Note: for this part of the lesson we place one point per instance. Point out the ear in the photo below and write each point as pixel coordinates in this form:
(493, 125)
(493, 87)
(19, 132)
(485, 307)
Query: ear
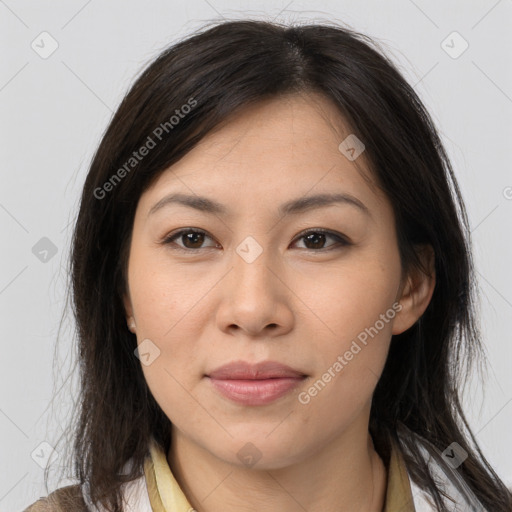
(130, 320)
(417, 291)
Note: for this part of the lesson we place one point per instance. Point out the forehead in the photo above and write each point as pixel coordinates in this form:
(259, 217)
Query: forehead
(268, 152)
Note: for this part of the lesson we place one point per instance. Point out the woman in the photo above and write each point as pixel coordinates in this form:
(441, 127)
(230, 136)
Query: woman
(274, 289)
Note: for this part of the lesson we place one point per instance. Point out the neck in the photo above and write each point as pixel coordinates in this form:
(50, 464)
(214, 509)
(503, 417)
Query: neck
(346, 474)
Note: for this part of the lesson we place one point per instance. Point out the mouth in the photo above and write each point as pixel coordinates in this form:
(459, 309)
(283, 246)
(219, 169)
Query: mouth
(254, 384)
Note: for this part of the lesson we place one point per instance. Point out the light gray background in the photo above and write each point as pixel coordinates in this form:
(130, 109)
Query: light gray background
(54, 110)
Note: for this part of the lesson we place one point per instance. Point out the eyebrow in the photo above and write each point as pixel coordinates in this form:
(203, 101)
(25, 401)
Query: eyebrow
(293, 206)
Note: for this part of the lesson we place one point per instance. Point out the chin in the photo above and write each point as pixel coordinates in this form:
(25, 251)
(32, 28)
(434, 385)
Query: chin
(259, 452)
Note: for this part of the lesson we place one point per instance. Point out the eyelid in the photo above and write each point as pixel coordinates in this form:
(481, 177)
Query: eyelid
(168, 239)
(342, 240)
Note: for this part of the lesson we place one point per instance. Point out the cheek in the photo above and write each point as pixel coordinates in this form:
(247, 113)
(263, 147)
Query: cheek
(356, 311)
(162, 295)
(352, 361)
(165, 305)
(165, 314)
(350, 299)
(172, 391)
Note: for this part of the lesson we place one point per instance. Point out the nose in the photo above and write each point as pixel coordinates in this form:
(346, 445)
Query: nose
(255, 298)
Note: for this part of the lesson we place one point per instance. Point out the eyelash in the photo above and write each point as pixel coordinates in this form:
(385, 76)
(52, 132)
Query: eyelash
(169, 239)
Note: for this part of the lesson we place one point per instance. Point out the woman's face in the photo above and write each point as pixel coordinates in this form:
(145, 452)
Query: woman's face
(261, 283)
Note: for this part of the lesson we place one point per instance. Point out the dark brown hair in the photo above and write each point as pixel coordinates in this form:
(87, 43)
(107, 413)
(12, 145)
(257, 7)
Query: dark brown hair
(225, 68)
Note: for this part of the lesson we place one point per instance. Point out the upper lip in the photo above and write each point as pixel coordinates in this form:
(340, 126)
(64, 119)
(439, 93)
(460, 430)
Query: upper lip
(245, 370)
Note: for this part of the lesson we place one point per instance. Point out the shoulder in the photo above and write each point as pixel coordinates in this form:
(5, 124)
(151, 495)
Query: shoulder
(64, 499)
(75, 498)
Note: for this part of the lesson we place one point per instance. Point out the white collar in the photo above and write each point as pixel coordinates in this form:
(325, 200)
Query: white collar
(451, 483)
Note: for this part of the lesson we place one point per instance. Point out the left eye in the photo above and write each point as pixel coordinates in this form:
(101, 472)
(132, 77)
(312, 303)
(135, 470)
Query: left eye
(318, 236)
(194, 238)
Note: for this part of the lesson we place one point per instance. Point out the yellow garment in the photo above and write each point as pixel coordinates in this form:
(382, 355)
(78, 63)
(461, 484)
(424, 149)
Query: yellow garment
(166, 495)
(398, 490)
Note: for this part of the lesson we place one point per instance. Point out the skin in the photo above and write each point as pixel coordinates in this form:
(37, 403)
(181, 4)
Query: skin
(302, 308)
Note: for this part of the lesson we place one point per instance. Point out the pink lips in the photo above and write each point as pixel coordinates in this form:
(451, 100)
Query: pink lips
(254, 384)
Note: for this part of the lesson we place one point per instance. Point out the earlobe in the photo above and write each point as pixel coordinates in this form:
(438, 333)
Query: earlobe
(417, 291)
(130, 320)
(131, 324)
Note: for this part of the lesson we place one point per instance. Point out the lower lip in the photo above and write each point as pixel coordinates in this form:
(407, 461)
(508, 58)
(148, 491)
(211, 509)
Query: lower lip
(255, 392)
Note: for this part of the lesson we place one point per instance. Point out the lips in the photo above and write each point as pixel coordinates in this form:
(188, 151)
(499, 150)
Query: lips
(248, 371)
(254, 384)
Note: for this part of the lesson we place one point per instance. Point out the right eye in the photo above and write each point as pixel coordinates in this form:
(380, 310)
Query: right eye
(192, 239)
